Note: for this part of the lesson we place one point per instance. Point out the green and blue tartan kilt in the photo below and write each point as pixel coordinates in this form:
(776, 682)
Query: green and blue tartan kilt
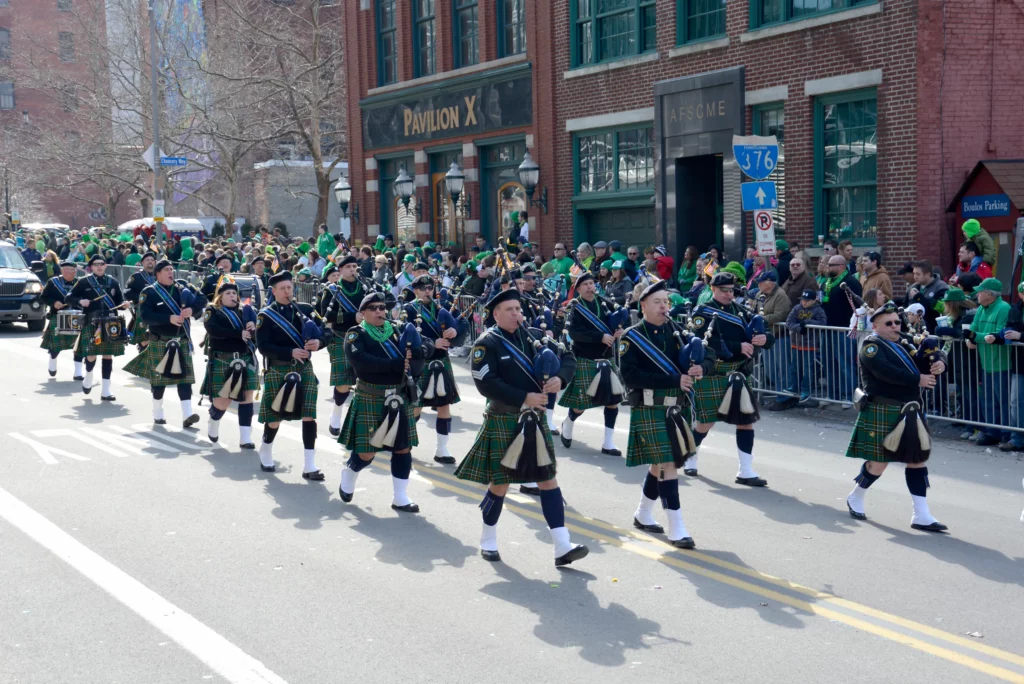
(709, 390)
(873, 425)
(145, 362)
(449, 382)
(273, 379)
(648, 437)
(483, 462)
(217, 370)
(52, 342)
(139, 329)
(575, 395)
(104, 348)
(342, 372)
(363, 418)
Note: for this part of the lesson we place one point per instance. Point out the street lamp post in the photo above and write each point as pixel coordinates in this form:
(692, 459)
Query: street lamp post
(154, 97)
(455, 182)
(343, 193)
(404, 189)
(529, 176)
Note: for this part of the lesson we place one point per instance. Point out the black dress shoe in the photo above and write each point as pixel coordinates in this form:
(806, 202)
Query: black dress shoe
(653, 529)
(109, 397)
(407, 508)
(334, 431)
(247, 445)
(78, 378)
(212, 439)
(611, 452)
(53, 374)
(692, 472)
(86, 389)
(567, 443)
(191, 420)
(315, 475)
(752, 481)
(684, 543)
(159, 421)
(445, 460)
(574, 554)
(268, 469)
(934, 527)
(492, 556)
(854, 514)
(532, 491)
(347, 498)
(555, 432)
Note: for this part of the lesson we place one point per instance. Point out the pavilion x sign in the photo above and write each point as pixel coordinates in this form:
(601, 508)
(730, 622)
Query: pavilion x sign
(447, 118)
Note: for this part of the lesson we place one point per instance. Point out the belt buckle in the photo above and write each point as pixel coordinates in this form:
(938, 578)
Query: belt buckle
(389, 392)
(670, 401)
(648, 397)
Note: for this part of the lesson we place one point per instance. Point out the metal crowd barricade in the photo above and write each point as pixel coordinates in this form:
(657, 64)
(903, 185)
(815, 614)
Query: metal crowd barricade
(979, 388)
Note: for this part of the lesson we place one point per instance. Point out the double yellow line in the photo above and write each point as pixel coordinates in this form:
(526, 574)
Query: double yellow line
(936, 642)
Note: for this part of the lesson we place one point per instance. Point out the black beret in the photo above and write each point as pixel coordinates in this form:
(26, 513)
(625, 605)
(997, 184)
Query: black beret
(348, 260)
(373, 298)
(420, 266)
(97, 257)
(162, 264)
(660, 286)
(529, 268)
(421, 282)
(256, 260)
(724, 279)
(887, 308)
(222, 257)
(148, 255)
(583, 277)
(328, 270)
(280, 277)
(226, 284)
(68, 264)
(511, 294)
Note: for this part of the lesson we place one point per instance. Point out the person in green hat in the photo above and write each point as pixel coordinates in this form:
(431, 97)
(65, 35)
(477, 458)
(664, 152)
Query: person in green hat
(783, 257)
(406, 275)
(973, 231)
(989, 321)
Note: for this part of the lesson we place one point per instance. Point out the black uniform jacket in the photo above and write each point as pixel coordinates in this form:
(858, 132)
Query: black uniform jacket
(137, 282)
(888, 371)
(430, 327)
(275, 343)
(378, 363)
(586, 337)
(56, 290)
(156, 313)
(91, 287)
(338, 316)
(729, 332)
(498, 371)
(210, 284)
(224, 337)
(640, 371)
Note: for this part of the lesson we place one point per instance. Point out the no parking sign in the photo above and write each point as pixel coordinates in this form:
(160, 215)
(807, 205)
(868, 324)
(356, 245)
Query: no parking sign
(764, 228)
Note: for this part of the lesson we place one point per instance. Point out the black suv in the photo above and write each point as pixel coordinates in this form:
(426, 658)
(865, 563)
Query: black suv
(19, 290)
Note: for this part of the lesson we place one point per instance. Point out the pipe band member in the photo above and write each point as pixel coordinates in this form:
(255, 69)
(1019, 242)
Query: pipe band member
(514, 444)
(660, 368)
(380, 417)
(167, 308)
(724, 394)
(99, 297)
(338, 304)
(232, 372)
(437, 383)
(287, 339)
(138, 282)
(54, 295)
(891, 425)
(596, 382)
(221, 266)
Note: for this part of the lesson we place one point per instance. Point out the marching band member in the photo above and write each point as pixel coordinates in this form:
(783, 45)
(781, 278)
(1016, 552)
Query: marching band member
(232, 373)
(381, 415)
(724, 393)
(532, 309)
(596, 382)
(338, 305)
(514, 444)
(138, 282)
(287, 339)
(54, 294)
(257, 268)
(166, 308)
(222, 265)
(660, 381)
(437, 384)
(890, 425)
(98, 294)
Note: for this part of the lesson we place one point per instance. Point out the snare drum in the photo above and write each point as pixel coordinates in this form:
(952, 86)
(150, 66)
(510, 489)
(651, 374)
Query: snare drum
(112, 328)
(70, 322)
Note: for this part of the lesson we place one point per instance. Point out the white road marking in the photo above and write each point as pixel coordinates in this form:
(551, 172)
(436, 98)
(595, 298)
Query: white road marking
(45, 452)
(152, 439)
(128, 444)
(211, 648)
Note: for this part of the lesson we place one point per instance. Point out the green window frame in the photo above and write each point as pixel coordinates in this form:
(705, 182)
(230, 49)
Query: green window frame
(770, 119)
(698, 20)
(614, 161)
(511, 27)
(387, 43)
(846, 167)
(769, 12)
(607, 30)
(424, 47)
(465, 32)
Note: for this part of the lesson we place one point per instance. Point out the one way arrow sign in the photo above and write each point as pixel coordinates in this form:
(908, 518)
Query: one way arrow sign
(760, 195)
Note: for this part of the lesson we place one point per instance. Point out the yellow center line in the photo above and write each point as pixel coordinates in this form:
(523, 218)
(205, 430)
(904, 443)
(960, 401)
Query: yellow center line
(438, 478)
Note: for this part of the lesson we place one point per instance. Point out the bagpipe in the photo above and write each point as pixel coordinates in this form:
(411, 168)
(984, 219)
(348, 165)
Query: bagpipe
(237, 375)
(172, 363)
(393, 431)
(288, 401)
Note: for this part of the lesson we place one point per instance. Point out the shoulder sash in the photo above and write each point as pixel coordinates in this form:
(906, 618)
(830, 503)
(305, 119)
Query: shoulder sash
(286, 326)
(658, 357)
(581, 307)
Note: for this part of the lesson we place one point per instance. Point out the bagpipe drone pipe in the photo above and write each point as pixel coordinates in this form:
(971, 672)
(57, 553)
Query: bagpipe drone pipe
(172, 363)
(289, 398)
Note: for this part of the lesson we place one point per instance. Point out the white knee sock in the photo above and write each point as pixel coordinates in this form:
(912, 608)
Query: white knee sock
(348, 480)
(489, 538)
(245, 434)
(550, 413)
(266, 454)
(746, 465)
(922, 516)
(186, 408)
(645, 511)
(52, 365)
(608, 434)
(567, 427)
(400, 486)
(442, 446)
(336, 416)
(212, 428)
(88, 379)
(691, 463)
(309, 458)
(105, 392)
(158, 409)
(856, 498)
(78, 369)
(676, 527)
(560, 536)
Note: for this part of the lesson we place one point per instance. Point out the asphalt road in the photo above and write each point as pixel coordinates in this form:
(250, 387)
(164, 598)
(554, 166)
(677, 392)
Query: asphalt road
(136, 554)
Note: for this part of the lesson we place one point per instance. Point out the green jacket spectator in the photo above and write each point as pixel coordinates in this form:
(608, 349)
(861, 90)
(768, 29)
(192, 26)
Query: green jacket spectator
(975, 233)
(990, 319)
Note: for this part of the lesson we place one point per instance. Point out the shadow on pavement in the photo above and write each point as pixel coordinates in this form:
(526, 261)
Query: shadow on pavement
(409, 540)
(95, 411)
(309, 504)
(571, 617)
(785, 508)
(56, 387)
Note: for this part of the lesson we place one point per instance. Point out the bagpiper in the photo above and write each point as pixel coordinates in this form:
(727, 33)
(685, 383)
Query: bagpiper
(596, 382)
(257, 267)
(54, 294)
(221, 266)
(338, 305)
(724, 393)
(287, 340)
(103, 333)
(891, 425)
(514, 444)
(437, 383)
(660, 367)
(232, 371)
(167, 309)
(138, 282)
(381, 415)
(533, 309)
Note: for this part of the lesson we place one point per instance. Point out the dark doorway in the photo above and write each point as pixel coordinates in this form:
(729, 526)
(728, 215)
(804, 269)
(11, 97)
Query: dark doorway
(699, 200)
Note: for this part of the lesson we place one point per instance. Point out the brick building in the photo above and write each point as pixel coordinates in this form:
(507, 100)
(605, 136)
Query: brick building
(882, 109)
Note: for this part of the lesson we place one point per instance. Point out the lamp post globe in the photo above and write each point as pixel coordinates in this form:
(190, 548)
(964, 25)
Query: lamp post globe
(403, 186)
(343, 193)
(455, 181)
(529, 174)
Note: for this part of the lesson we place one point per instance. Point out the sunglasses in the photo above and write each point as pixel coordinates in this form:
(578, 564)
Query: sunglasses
(376, 307)
(890, 324)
